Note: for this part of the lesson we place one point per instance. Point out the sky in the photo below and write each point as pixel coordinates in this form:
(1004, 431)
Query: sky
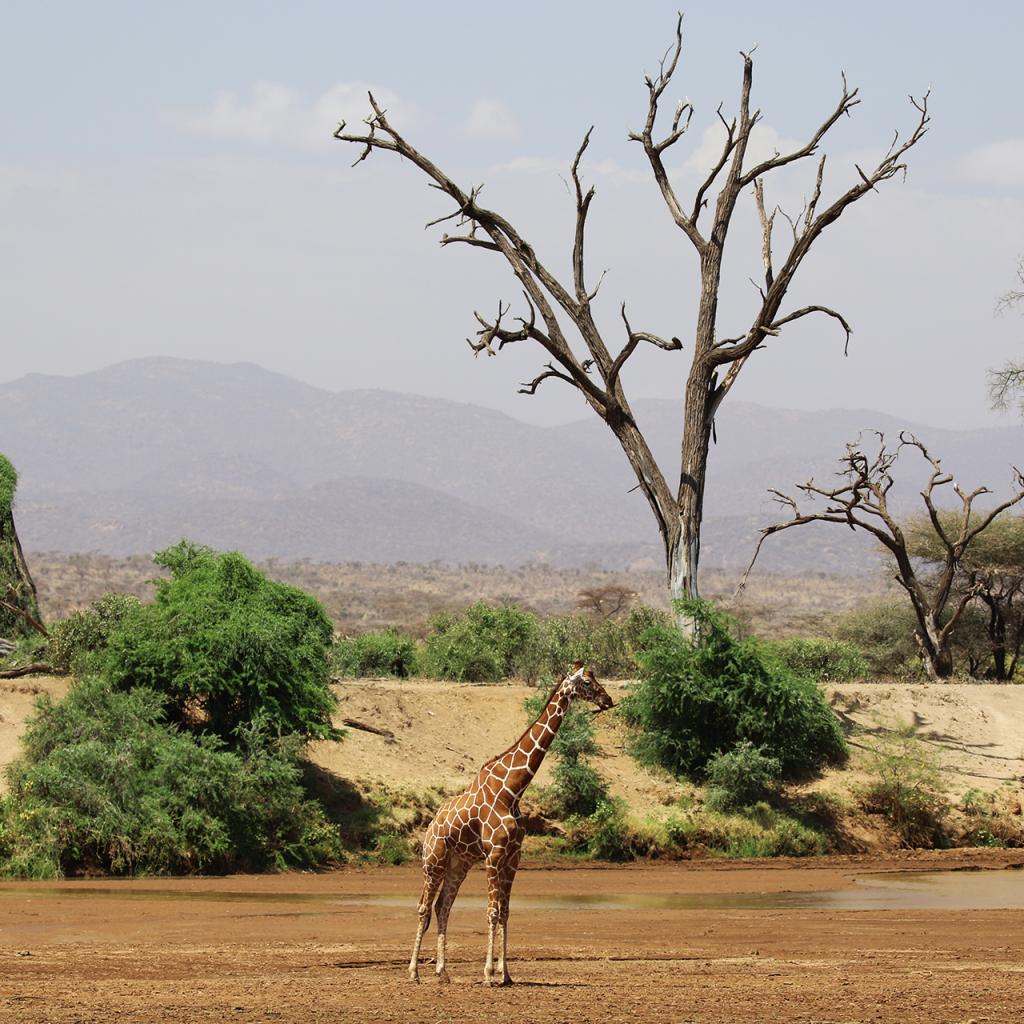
(169, 186)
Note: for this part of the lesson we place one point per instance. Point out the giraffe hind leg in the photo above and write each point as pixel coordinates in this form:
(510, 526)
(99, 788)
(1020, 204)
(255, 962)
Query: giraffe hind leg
(458, 867)
(435, 862)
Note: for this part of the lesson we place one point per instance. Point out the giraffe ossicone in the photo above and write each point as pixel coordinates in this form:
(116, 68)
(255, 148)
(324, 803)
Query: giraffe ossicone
(483, 824)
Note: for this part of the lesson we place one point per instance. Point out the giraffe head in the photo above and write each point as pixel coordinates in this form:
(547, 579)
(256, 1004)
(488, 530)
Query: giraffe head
(580, 683)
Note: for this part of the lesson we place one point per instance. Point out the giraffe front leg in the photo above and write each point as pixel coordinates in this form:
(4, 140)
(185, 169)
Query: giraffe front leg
(493, 912)
(506, 878)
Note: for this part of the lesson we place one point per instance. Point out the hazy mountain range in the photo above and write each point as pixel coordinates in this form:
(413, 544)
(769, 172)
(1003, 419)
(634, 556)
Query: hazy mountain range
(133, 457)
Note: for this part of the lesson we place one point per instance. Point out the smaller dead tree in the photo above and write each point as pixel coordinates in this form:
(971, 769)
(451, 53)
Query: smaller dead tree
(861, 502)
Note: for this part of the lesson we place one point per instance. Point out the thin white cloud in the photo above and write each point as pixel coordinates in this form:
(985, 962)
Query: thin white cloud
(275, 114)
(998, 163)
(764, 142)
(490, 119)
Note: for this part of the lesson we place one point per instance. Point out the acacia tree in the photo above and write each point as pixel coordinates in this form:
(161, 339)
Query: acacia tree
(992, 571)
(861, 502)
(559, 315)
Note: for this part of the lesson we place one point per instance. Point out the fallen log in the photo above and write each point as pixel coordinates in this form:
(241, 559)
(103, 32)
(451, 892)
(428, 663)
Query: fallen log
(27, 670)
(353, 723)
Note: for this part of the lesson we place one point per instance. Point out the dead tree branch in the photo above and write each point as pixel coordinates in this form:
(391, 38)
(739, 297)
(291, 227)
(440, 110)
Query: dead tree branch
(861, 502)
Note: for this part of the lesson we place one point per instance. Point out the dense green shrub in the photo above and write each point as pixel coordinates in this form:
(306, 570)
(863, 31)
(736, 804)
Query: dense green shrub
(485, 643)
(698, 697)
(106, 784)
(87, 631)
(828, 661)
(227, 644)
(385, 652)
(741, 777)
(883, 631)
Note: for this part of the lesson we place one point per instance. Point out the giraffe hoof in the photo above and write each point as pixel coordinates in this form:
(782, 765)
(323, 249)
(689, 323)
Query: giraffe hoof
(443, 978)
(414, 977)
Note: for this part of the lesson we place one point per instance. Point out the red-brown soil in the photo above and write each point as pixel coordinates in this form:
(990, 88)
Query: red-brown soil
(296, 948)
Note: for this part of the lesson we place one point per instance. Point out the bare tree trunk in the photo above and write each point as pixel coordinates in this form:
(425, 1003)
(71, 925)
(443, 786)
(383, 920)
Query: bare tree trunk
(560, 316)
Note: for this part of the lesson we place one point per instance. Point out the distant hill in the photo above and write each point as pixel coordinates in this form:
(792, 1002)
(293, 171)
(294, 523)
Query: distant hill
(133, 457)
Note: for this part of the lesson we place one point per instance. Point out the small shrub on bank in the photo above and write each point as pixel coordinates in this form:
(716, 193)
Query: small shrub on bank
(608, 835)
(226, 644)
(906, 787)
(828, 661)
(759, 831)
(699, 697)
(386, 652)
(741, 777)
(105, 784)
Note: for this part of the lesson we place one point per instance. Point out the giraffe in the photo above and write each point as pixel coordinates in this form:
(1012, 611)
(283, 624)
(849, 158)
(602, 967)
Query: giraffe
(482, 824)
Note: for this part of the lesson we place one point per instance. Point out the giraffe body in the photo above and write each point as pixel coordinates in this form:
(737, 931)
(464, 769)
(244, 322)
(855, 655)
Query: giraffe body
(483, 824)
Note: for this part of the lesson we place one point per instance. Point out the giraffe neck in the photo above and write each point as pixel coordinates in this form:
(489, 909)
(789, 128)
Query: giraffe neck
(534, 743)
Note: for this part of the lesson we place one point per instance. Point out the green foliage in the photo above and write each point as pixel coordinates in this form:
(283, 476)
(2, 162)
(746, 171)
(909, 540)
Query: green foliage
(884, 631)
(828, 661)
(105, 784)
(698, 697)
(743, 776)
(227, 645)
(8, 485)
(485, 643)
(389, 848)
(907, 788)
(87, 631)
(489, 643)
(386, 652)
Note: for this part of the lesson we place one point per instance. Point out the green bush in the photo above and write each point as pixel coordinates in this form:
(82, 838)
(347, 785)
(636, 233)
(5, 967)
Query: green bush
(485, 643)
(88, 630)
(697, 697)
(226, 644)
(741, 777)
(386, 652)
(106, 784)
(828, 661)
(883, 632)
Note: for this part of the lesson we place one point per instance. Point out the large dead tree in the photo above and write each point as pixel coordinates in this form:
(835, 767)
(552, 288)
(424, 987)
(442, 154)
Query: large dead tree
(861, 502)
(559, 315)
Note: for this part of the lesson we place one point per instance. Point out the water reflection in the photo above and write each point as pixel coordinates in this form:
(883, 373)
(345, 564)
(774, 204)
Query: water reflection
(932, 890)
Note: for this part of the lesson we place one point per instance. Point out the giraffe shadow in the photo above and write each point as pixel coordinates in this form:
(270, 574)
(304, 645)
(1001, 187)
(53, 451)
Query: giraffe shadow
(550, 984)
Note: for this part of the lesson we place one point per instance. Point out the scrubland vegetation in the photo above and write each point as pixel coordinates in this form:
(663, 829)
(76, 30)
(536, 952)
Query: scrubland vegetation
(181, 746)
